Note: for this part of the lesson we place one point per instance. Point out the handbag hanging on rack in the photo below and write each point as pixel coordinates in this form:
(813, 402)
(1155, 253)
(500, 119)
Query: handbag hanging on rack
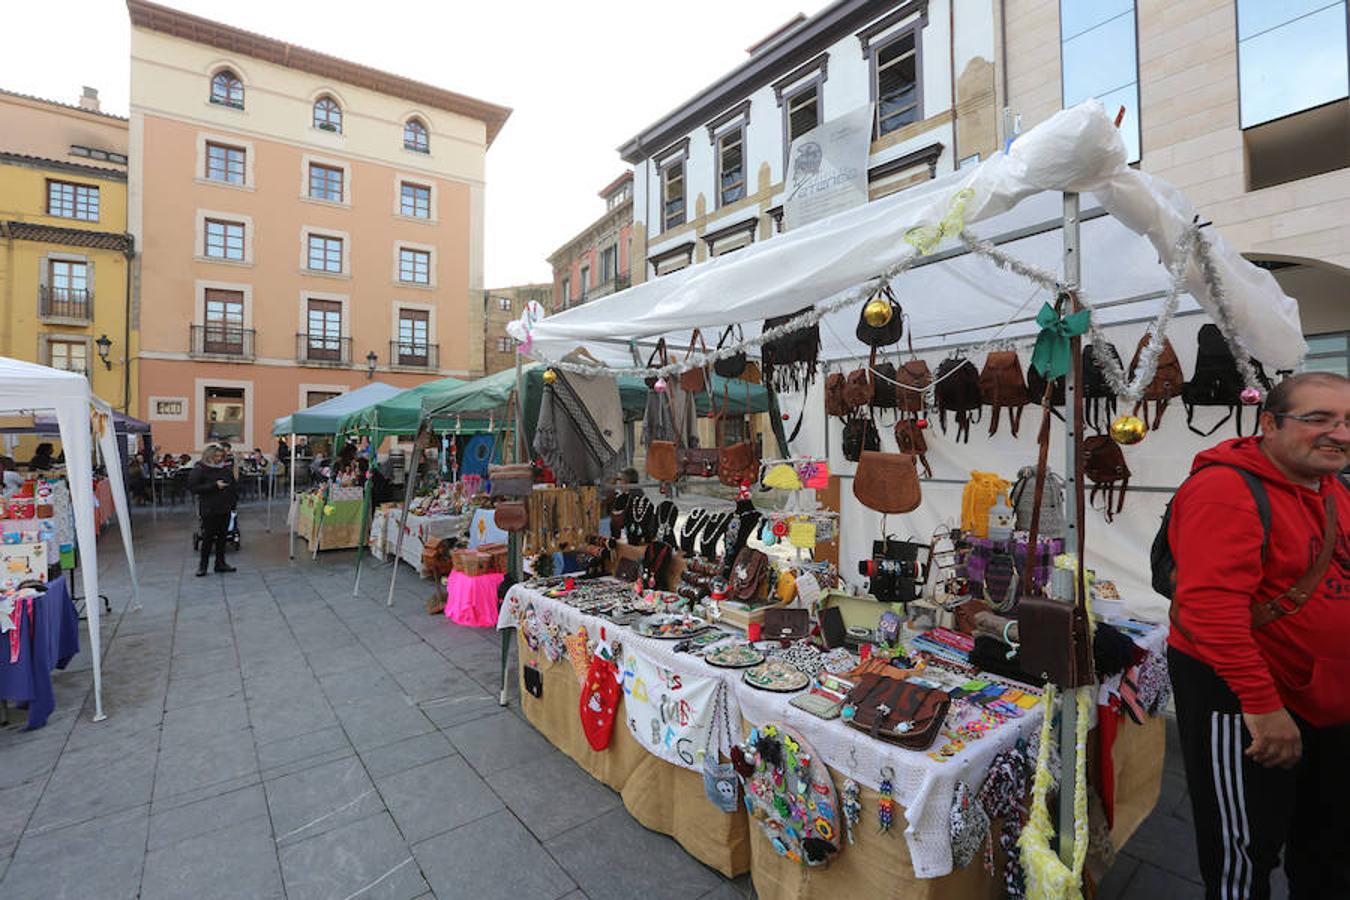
(887, 482)
(695, 380)
(860, 435)
(738, 463)
(732, 366)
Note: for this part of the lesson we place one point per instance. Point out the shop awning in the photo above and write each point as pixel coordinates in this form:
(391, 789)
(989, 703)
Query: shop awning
(325, 417)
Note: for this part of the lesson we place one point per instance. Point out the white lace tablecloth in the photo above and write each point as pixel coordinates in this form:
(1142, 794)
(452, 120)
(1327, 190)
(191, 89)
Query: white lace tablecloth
(383, 536)
(923, 786)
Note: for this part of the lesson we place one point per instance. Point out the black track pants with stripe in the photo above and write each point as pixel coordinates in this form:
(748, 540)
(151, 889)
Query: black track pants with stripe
(1246, 814)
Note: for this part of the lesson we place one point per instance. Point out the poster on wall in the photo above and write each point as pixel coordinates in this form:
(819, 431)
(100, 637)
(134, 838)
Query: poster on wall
(827, 169)
(669, 713)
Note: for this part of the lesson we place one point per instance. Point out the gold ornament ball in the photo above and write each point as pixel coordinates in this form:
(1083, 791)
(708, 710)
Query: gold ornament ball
(877, 313)
(1128, 430)
(550, 376)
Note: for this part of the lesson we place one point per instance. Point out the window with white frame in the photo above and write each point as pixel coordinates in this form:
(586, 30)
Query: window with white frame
(565, 294)
(224, 240)
(731, 166)
(585, 281)
(70, 355)
(672, 194)
(414, 266)
(325, 253)
(504, 304)
(414, 336)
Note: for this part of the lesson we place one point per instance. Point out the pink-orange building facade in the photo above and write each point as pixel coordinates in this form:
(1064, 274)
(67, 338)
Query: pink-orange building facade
(305, 224)
(595, 262)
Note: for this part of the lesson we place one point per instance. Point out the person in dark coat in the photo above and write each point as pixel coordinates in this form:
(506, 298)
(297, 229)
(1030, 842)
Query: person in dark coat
(212, 480)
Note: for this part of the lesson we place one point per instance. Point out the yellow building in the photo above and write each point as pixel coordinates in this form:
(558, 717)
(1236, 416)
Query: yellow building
(64, 246)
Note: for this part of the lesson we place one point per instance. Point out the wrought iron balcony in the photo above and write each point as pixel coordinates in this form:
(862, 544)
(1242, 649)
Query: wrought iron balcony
(65, 303)
(216, 339)
(323, 349)
(411, 354)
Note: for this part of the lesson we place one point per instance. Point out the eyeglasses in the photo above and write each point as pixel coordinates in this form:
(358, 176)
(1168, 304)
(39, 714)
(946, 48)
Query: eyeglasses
(1320, 421)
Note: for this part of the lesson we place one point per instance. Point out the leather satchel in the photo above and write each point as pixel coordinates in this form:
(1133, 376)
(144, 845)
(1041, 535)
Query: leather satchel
(512, 515)
(738, 464)
(1002, 385)
(732, 366)
(749, 576)
(661, 461)
(860, 435)
(786, 624)
(916, 378)
(898, 711)
(881, 335)
(835, 404)
(1104, 465)
(695, 380)
(909, 438)
(516, 480)
(697, 462)
(858, 389)
(1056, 645)
(887, 482)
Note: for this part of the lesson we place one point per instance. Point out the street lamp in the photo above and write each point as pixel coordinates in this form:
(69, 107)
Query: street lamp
(104, 344)
(371, 360)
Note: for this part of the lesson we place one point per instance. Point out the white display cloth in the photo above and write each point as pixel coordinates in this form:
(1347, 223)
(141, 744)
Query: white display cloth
(1124, 258)
(671, 714)
(26, 388)
(420, 529)
(923, 786)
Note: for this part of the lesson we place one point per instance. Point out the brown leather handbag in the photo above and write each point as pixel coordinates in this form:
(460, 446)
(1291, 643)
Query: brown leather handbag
(697, 462)
(695, 380)
(515, 480)
(916, 378)
(858, 389)
(738, 464)
(511, 515)
(909, 437)
(1003, 385)
(1055, 643)
(835, 405)
(786, 624)
(898, 711)
(749, 576)
(662, 464)
(887, 482)
(1104, 465)
(1167, 382)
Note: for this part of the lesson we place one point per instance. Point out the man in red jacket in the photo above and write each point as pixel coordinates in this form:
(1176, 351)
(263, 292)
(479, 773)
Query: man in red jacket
(1261, 674)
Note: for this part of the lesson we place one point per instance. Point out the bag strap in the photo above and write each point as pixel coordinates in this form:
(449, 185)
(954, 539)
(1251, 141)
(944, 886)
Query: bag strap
(696, 338)
(1292, 600)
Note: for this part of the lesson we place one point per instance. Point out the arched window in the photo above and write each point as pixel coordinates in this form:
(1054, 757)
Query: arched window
(328, 115)
(415, 136)
(227, 89)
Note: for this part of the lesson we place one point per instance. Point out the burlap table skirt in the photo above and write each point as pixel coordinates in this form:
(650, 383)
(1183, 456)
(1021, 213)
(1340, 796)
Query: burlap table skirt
(670, 800)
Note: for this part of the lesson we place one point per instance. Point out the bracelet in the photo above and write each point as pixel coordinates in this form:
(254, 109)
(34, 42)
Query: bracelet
(1007, 640)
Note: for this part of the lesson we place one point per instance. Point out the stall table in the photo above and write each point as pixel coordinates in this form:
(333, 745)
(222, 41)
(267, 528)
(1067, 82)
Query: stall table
(420, 530)
(341, 529)
(48, 643)
(913, 860)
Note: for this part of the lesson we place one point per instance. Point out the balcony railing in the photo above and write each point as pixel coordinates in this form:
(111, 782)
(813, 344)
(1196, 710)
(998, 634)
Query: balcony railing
(414, 355)
(218, 339)
(323, 349)
(65, 303)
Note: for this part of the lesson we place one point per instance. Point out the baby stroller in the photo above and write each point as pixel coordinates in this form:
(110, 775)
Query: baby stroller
(231, 533)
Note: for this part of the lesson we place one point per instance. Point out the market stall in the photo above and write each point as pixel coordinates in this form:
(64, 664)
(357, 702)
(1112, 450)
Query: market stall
(335, 510)
(996, 630)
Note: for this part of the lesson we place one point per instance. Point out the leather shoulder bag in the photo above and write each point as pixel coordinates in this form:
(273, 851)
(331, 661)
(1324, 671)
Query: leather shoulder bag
(887, 482)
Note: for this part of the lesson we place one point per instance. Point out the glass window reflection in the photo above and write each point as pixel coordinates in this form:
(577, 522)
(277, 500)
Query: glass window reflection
(1293, 66)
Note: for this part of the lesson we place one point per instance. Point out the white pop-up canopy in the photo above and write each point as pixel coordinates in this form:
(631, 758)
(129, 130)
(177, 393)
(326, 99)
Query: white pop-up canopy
(26, 388)
(948, 293)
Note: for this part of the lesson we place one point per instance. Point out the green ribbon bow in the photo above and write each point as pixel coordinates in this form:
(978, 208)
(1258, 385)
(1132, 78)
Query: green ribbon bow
(1051, 356)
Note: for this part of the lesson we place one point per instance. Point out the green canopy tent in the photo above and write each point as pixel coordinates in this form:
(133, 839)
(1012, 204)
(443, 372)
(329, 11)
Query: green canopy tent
(398, 414)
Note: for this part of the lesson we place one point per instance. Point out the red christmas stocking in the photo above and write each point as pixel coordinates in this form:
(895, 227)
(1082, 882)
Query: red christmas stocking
(599, 701)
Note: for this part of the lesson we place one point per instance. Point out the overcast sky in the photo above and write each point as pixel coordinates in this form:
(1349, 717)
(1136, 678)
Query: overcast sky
(581, 78)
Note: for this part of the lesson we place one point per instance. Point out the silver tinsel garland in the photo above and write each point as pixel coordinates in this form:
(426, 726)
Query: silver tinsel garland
(1190, 243)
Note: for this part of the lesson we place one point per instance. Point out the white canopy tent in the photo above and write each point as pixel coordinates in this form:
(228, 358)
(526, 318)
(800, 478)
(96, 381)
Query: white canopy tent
(1128, 229)
(26, 388)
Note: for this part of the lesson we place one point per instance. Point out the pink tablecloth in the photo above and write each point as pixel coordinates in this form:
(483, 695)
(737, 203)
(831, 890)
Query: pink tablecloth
(472, 599)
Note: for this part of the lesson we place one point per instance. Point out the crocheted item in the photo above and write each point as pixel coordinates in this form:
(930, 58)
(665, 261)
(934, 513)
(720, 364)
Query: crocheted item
(802, 656)
(1002, 796)
(970, 825)
(1155, 683)
(1047, 877)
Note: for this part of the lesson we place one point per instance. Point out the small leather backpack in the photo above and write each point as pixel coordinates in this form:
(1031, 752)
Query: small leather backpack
(1167, 382)
(1104, 465)
(958, 391)
(1002, 386)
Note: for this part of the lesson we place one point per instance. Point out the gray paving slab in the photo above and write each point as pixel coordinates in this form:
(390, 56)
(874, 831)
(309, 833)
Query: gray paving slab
(325, 866)
(170, 824)
(195, 771)
(494, 858)
(498, 742)
(319, 799)
(99, 858)
(235, 861)
(436, 797)
(599, 856)
(390, 759)
(573, 796)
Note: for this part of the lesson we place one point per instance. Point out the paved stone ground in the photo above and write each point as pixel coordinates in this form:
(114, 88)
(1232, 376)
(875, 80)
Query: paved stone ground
(271, 736)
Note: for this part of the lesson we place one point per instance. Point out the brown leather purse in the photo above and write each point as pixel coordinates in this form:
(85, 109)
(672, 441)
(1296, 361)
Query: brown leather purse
(695, 380)
(909, 438)
(515, 480)
(897, 711)
(749, 576)
(858, 390)
(511, 515)
(661, 461)
(835, 405)
(786, 624)
(1003, 385)
(887, 482)
(1104, 465)
(697, 462)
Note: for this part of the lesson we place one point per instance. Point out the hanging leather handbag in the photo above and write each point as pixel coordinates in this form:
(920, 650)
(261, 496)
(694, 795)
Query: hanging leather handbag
(697, 462)
(1104, 465)
(512, 515)
(898, 712)
(1055, 643)
(1168, 381)
(835, 404)
(1002, 386)
(786, 624)
(885, 392)
(789, 361)
(860, 435)
(890, 331)
(909, 438)
(658, 359)
(732, 366)
(957, 387)
(858, 390)
(887, 482)
(749, 576)
(515, 480)
(738, 464)
(662, 464)
(695, 380)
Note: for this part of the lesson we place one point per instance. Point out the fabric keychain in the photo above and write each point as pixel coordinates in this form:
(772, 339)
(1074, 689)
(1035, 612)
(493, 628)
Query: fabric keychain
(600, 697)
(886, 805)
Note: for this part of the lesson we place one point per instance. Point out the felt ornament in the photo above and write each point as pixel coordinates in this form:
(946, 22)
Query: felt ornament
(600, 699)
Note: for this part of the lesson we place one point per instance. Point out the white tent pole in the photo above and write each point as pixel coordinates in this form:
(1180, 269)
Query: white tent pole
(290, 510)
(72, 416)
(1068, 719)
(108, 446)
